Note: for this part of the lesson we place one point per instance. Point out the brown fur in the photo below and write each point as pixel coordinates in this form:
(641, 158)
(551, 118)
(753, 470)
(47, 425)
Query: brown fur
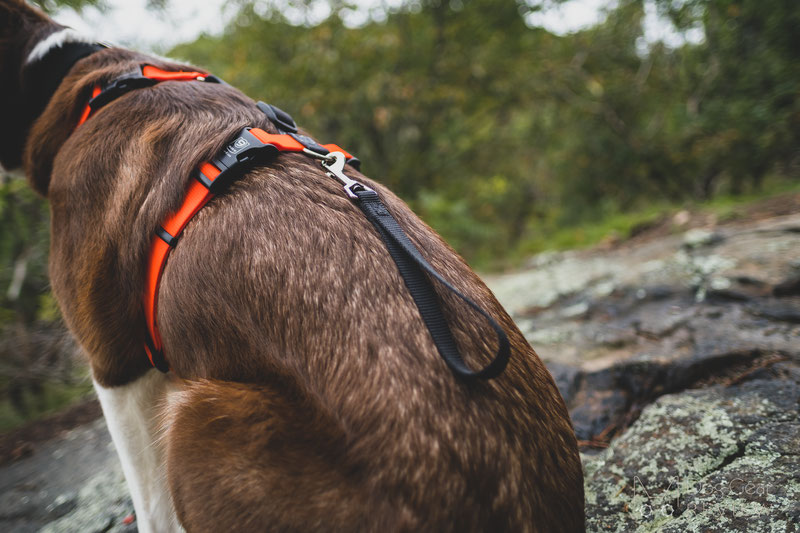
(314, 398)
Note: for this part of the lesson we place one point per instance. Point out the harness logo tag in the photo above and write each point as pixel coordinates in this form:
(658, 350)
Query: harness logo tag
(237, 146)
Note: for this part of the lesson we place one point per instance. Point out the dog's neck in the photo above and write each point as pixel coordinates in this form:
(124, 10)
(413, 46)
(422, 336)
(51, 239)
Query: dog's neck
(35, 55)
(47, 64)
(54, 41)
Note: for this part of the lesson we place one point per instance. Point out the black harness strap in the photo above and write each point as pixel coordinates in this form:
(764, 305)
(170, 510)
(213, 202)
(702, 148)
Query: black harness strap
(411, 264)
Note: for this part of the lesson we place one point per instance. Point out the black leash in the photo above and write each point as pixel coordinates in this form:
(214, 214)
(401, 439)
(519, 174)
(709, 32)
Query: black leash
(410, 262)
(413, 266)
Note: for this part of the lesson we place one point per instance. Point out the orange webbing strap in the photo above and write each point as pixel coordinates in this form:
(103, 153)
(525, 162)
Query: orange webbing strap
(335, 148)
(154, 73)
(148, 72)
(287, 143)
(225, 166)
(197, 196)
(283, 142)
(88, 109)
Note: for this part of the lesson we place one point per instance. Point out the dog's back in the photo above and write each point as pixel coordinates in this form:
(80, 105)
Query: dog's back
(312, 396)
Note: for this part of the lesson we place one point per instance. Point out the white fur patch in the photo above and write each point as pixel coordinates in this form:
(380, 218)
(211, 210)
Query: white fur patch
(132, 414)
(56, 40)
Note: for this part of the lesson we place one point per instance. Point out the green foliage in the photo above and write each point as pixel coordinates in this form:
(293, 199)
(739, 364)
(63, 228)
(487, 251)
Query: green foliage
(728, 207)
(37, 369)
(620, 225)
(48, 397)
(432, 100)
(496, 132)
(741, 89)
(24, 244)
(507, 139)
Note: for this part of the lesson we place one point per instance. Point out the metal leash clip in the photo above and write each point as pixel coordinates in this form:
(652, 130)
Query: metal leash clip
(333, 163)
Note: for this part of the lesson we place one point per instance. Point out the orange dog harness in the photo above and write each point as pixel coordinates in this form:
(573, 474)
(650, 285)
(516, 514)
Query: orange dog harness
(252, 145)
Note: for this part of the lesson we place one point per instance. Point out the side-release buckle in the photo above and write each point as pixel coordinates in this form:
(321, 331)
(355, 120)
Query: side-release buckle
(235, 157)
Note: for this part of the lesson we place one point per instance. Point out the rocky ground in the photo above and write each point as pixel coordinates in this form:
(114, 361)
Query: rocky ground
(679, 359)
(677, 352)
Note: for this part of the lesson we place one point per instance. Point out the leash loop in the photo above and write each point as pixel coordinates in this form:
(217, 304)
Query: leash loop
(317, 155)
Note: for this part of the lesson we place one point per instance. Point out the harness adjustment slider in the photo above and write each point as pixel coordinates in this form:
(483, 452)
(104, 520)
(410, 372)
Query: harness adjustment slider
(310, 144)
(120, 86)
(165, 236)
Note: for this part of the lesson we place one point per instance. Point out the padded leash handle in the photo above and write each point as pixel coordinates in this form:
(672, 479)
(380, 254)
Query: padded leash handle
(411, 265)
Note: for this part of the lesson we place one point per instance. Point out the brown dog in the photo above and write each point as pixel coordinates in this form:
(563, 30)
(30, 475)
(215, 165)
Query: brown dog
(305, 392)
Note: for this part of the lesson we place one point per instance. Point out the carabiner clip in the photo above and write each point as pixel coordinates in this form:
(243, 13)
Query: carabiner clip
(334, 166)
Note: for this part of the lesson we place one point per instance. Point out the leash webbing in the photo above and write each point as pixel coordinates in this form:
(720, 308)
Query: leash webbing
(411, 264)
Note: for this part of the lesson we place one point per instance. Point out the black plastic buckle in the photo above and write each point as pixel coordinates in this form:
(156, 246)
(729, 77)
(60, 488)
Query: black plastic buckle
(120, 86)
(237, 156)
(310, 144)
(285, 124)
(282, 120)
(214, 79)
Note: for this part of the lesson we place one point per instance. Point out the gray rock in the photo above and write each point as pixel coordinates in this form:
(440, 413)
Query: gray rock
(648, 335)
(101, 506)
(696, 238)
(783, 310)
(62, 505)
(788, 287)
(719, 459)
(71, 484)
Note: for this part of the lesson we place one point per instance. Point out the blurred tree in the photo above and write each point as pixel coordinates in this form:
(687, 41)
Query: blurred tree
(491, 129)
(743, 94)
(437, 100)
(23, 251)
(494, 131)
(619, 110)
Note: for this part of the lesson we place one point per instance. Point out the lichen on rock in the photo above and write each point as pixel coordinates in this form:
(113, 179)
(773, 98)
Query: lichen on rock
(716, 459)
